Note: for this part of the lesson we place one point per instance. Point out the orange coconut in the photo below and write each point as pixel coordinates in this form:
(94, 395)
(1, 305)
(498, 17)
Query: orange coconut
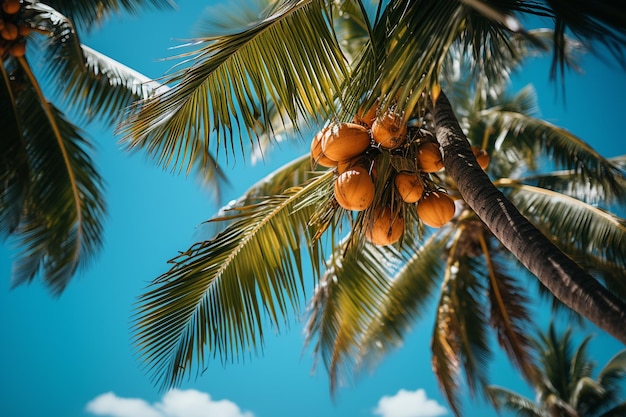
(389, 130)
(11, 6)
(9, 31)
(386, 227)
(409, 185)
(365, 117)
(345, 140)
(317, 155)
(435, 209)
(354, 189)
(429, 157)
(482, 156)
(18, 49)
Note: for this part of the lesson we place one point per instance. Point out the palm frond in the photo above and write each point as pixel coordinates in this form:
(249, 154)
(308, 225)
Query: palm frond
(61, 225)
(289, 58)
(346, 299)
(509, 400)
(218, 293)
(14, 163)
(509, 314)
(89, 15)
(571, 223)
(407, 297)
(92, 84)
(562, 147)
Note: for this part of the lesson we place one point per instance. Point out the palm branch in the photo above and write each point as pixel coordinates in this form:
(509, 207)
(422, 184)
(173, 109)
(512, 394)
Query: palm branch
(217, 289)
(233, 79)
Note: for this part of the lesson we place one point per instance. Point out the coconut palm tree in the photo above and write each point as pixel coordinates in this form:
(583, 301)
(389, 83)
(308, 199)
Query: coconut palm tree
(221, 293)
(51, 194)
(567, 387)
(291, 61)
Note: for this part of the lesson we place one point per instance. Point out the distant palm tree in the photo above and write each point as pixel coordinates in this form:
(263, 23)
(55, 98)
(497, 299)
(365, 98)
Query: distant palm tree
(219, 292)
(567, 387)
(51, 194)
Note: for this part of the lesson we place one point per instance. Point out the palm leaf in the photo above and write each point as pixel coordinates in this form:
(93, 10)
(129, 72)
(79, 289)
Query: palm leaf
(565, 149)
(61, 226)
(14, 163)
(406, 299)
(345, 300)
(509, 314)
(218, 292)
(90, 83)
(503, 398)
(289, 58)
(571, 223)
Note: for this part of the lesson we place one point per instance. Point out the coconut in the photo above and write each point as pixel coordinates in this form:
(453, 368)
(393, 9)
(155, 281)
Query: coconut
(345, 140)
(429, 157)
(409, 185)
(354, 189)
(482, 157)
(436, 209)
(18, 49)
(386, 227)
(389, 130)
(9, 31)
(11, 6)
(317, 155)
(366, 117)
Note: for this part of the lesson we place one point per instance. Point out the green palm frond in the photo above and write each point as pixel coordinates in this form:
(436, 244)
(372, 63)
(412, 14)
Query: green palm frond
(505, 399)
(289, 58)
(88, 14)
(14, 163)
(345, 300)
(218, 292)
(61, 224)
(593, 193)
(565, 149)
(460, 342)
(509, 314)
(92, 84)
(571, 223)
(409, 292)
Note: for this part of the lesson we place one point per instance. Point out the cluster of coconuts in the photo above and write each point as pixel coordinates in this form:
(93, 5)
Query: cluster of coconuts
(348, 147)
(12, 32)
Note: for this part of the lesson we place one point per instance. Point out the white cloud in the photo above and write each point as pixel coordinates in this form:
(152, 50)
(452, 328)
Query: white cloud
(175, 403)
(409, 404)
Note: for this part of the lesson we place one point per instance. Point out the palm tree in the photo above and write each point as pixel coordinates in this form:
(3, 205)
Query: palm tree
(51, 194)
(567, 387)
(221, 293)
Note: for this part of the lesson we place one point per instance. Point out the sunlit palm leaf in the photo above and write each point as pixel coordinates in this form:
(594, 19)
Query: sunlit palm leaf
(566, 150)
(509, 400)
(572, 223)
(346, 298)
(90, 83)
(61, 226)
(290, 58)
(88, 14)
(509, 314)
(408, 296)
(218, 294)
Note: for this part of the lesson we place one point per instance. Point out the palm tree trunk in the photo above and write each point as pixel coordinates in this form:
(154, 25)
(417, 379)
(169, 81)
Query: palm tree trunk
(556, 271)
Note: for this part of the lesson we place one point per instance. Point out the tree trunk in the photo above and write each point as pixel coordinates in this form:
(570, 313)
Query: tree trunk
(557, 272)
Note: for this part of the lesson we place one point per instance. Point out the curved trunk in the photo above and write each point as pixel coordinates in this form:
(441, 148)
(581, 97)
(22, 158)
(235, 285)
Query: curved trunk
(557, 272)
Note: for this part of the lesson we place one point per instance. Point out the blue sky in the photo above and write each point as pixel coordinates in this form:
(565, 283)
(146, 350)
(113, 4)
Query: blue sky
(73, 356)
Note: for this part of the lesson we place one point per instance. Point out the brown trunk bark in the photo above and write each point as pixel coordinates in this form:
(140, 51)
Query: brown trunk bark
(557, 272)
